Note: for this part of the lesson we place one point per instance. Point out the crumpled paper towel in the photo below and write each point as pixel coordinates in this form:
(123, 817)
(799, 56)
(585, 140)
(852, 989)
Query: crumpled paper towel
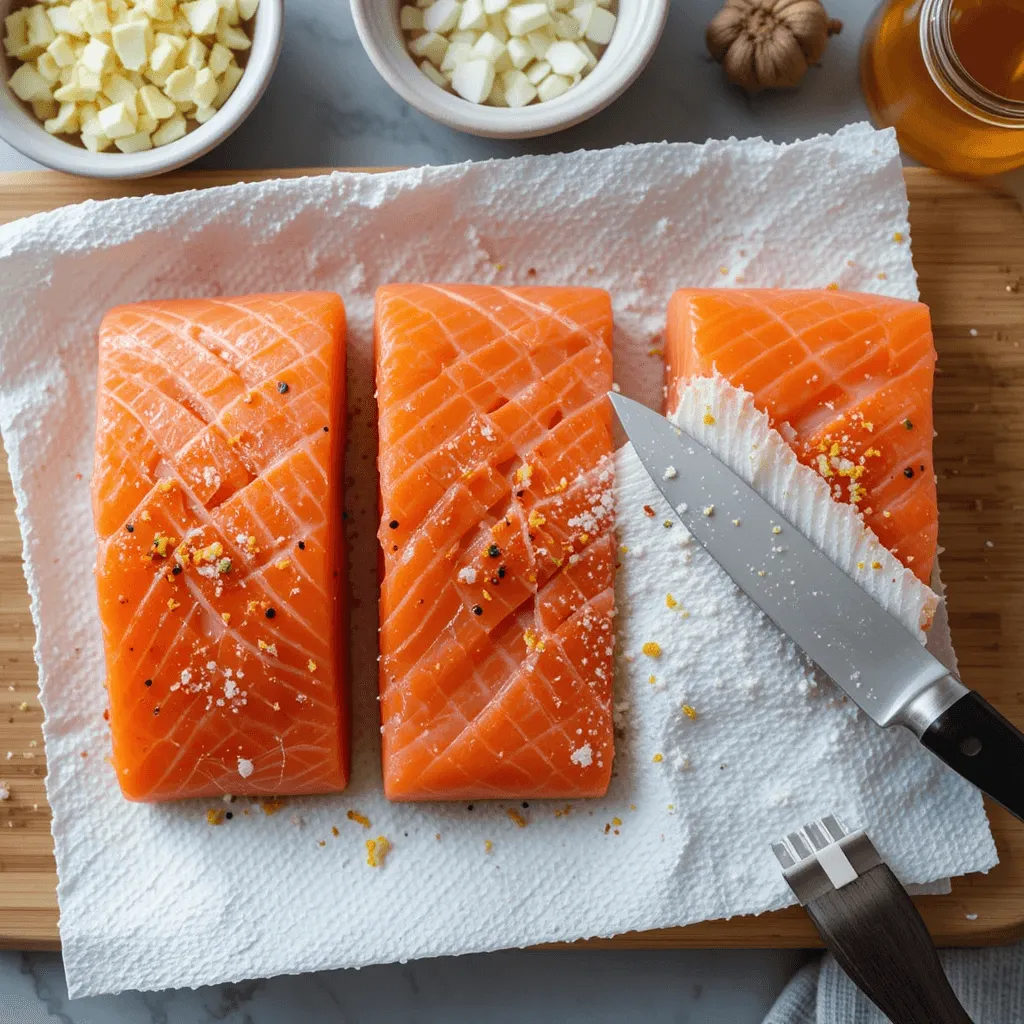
(153, 896)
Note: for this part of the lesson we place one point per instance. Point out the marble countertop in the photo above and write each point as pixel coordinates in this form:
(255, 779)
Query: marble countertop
(327, 107)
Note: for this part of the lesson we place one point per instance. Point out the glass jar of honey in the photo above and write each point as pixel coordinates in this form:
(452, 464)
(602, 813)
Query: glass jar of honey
(948, 75)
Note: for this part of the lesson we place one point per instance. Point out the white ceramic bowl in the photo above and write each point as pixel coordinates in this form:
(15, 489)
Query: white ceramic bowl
(22, 131)
(637, 31)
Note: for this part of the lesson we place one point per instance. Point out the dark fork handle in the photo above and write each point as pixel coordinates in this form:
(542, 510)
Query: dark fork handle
(875, 932)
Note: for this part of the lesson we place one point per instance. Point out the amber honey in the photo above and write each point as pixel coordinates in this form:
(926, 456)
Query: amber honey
(948, 75)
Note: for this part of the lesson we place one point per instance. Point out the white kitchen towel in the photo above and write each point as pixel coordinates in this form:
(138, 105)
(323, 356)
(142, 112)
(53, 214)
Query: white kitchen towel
(152, 896)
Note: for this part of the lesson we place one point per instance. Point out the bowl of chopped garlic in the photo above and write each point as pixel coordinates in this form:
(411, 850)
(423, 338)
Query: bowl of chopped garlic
(131, 88)
(510, 69)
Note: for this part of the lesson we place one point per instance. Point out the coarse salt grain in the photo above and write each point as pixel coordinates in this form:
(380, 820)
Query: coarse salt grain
(245, 767)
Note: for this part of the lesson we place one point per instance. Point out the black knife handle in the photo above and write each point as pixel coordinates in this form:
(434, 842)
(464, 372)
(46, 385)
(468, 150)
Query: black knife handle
(877, 936)
(977, 742)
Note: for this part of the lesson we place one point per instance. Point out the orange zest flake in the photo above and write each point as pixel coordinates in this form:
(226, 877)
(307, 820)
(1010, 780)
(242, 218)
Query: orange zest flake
(670, 601)
(311, 665)
(876, 565)
(524, 474)
(485, 593)
(250, 607)
(270, 807)
(282, 563)
(832, 286)
(616, 821)
(271, 649)
(652, 649)
(161, 543)
(214, 816)
(533, 641)
(250, 544)
(165, 485)
(709, 419)
(145, 516)
(376, 850)
(172, 604)
(519, 820)
(655, 350)
(208, 554)
(860, 565)
(897, 237)
(872, 453)
(359, 819)
(536, 519)
(857, 492)
(584, 538)
(559, 487)
(226, 618)
(690, 712)
(658, 758)
(234, 439)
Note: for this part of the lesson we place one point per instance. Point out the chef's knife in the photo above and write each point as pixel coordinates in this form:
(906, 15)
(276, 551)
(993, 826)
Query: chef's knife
(851, 637)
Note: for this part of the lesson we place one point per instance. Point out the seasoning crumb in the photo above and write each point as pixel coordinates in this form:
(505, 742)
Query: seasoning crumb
(690, 712)
(652, 649)
(616, 821)
(334, 830)
(897, 237)
(270, 807)
(226, 617)
(215, 816)
(776, 530)
(735, 522)
(282, 387)
(658, 758)
(670, 601)
(709, 419)
(670, 473)
(359, 819)
(376, 850)
(311, 665)
(519, 820)
(23, 706)
(709, 510)
(172, 604)
(488, 846)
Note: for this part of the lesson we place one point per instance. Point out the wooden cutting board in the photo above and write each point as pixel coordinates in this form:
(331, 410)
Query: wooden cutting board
(969, 251)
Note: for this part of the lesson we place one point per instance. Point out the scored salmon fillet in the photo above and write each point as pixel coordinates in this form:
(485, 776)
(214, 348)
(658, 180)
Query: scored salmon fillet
(845, 377)
(217, 500)
(496, 535)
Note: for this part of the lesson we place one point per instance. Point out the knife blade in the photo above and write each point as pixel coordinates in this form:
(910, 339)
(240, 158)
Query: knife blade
(881, 665)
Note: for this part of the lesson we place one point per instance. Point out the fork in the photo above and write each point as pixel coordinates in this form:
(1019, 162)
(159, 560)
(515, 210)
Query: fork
(868, 922)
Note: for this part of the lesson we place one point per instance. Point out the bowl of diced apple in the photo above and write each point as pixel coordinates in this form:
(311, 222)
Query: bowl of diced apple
(510, 68)
(131, 88)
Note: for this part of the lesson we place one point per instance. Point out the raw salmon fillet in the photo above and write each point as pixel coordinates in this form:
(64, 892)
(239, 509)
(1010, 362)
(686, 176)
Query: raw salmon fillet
(496, 535)
(846, 378)
(217, 495)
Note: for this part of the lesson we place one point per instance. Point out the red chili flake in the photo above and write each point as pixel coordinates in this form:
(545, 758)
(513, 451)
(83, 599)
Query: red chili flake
(649, 512)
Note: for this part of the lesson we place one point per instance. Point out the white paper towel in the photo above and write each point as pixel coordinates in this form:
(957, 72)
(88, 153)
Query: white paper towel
(152, 896)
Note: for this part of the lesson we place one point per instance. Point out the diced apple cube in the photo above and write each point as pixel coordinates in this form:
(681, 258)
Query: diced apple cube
(180, 84)
(219, 59)
(158, 10)
(97, 19)
(233, 38)
(48, 68)
(473, 79)
(497, 27)
(202, 16)
(203, 114)
(518, 89)
(228, 81)
(118, 121)
(93, 138)
(582, 13)
(540, 41)
(229, 11)
(457, 53)
(247, 8)
(195, 53)
(62, 52)
(495, 6)
(552, 87)
(538, 71)
(163, 58)
(472, 16)
(489, 47)
(97, 57)
(204, 92)
(155, 103)
(171, 130)
(130, 42)
(40, 31)
(65, 122)
(64, 21)
(433, 74)
(526, 18)
(520, 52)
(137, 143)
(431, 45)
(567, 27)
(566, 58)
(410, 18)
(16, 31)
(28, 85)
(441, 16)
(588, 54)
(600, 27)
(119, 89)
(172, 39)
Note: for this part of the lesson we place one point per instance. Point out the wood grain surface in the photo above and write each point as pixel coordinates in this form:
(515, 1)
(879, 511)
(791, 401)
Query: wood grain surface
(969, 252)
